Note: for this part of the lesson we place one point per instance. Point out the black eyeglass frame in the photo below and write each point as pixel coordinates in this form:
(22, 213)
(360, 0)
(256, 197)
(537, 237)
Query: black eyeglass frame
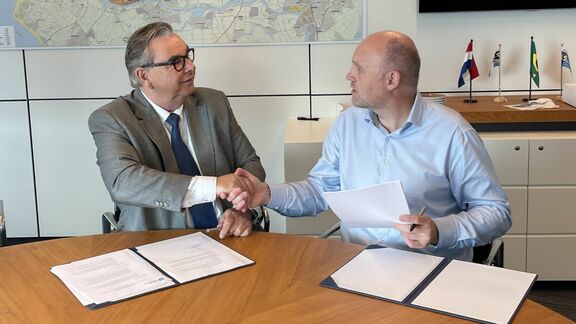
(174, 61)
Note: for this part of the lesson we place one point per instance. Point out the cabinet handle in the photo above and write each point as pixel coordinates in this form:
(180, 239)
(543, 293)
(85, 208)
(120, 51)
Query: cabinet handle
(517, 148)
(541, 148)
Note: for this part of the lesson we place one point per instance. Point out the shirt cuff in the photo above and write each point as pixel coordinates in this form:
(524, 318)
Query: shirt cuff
(201, 189)
(447, 231)
(278, 196)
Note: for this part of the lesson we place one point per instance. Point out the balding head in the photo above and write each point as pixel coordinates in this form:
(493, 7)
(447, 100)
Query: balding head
(398, 52)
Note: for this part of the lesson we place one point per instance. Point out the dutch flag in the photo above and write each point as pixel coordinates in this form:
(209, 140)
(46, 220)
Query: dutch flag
(469, 71)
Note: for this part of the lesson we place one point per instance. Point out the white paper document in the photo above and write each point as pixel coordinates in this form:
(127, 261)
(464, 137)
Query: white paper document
(463, 289)
(485, 293)
(542, 103)
(192, 256)
(371, 273)
(373, 207)
(110, 277)
(116, 276)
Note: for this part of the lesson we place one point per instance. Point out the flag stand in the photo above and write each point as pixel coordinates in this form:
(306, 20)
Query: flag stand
(500, 98)
(470, 100)
(529, 92)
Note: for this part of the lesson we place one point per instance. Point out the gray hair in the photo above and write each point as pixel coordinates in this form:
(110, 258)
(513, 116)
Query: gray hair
(137, 52)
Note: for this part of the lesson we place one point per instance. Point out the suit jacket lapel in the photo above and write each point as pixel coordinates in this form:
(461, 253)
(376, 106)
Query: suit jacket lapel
(201, 133)
(153, 127)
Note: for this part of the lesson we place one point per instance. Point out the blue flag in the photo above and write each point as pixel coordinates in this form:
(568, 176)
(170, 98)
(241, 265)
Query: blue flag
(495, 62)
(565, 60)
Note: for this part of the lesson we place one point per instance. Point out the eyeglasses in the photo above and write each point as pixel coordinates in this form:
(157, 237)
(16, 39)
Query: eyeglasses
(178, 62)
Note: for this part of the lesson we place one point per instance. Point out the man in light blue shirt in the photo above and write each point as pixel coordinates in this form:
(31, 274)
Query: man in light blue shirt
(392, 134)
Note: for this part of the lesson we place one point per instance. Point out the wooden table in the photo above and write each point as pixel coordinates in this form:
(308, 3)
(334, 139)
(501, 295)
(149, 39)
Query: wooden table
(487, 115)
(283, 286)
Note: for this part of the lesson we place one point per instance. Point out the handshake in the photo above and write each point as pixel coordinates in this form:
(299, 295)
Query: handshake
(243, 190)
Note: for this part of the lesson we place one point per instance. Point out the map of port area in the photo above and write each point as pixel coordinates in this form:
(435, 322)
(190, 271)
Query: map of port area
(90, 23)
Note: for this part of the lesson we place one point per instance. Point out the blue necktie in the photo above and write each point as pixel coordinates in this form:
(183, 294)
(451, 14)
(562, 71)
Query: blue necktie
(202, 214)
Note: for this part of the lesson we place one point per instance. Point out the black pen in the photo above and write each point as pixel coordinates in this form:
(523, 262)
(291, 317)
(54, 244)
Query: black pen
(419, 214)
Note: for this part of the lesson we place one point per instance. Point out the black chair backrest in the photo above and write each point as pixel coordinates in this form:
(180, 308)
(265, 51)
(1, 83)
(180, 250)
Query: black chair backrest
(490, 254)
(106, 221)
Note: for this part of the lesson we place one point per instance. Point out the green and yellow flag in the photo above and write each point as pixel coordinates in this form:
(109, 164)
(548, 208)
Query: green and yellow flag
(534, 64)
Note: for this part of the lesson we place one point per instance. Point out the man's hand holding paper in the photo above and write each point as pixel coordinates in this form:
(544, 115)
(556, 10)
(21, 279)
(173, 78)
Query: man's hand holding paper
(423, 234)
(383, 205)
(372, 207)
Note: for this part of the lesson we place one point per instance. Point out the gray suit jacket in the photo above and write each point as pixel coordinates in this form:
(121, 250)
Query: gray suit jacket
(137, 163)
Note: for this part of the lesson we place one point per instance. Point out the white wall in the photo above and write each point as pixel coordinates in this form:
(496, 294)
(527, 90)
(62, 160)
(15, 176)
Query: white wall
(267, 85)
(443, 37)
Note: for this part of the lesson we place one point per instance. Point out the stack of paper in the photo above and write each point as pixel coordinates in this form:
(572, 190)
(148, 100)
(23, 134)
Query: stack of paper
(542, 103)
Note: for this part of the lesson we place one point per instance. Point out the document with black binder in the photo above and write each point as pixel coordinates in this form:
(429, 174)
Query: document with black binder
(117, 276)
(462, 289)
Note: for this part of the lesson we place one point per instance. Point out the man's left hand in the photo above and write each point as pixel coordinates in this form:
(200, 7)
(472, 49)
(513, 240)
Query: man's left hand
(235, 223)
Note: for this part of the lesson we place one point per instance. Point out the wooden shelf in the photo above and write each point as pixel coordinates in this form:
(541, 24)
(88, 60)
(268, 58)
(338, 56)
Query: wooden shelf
(487, 115)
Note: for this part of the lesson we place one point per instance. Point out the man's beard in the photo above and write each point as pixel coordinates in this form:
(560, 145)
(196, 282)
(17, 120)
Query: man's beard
(359, 102)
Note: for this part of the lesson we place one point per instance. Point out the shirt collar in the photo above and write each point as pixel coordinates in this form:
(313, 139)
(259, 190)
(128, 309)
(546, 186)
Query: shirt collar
(414, 118)
(162, 113)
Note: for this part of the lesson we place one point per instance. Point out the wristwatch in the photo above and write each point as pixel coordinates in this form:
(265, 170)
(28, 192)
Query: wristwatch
(256, 217)
(260, 220)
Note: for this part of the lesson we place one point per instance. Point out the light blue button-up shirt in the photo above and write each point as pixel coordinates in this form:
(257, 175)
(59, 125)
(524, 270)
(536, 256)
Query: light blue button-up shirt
(440, 160)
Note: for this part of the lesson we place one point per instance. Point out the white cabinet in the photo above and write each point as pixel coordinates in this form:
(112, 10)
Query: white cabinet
(515, 251)
(552, 257)
(552, 161)
(510, 158)
(537, 170)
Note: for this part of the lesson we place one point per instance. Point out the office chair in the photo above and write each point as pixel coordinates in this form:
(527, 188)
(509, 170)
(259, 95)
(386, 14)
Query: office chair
(260, 220)
(491, 254)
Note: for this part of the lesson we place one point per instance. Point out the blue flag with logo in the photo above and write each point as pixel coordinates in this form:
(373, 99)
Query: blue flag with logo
(495, 62)
(565, 60)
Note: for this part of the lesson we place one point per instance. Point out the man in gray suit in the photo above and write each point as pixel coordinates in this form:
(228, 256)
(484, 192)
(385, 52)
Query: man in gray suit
(135, 142)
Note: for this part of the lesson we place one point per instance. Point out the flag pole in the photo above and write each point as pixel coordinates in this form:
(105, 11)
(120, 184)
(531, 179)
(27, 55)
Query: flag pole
(530, 73)
(500, 98)
(470, 100)
(499, 67)
(561, 58)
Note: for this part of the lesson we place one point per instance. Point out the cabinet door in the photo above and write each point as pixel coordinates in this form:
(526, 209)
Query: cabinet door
(299, 158)
(552, 257)
(515, 252)
(510, 159)
(551, 210)
(552, 162)
(518, 198)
